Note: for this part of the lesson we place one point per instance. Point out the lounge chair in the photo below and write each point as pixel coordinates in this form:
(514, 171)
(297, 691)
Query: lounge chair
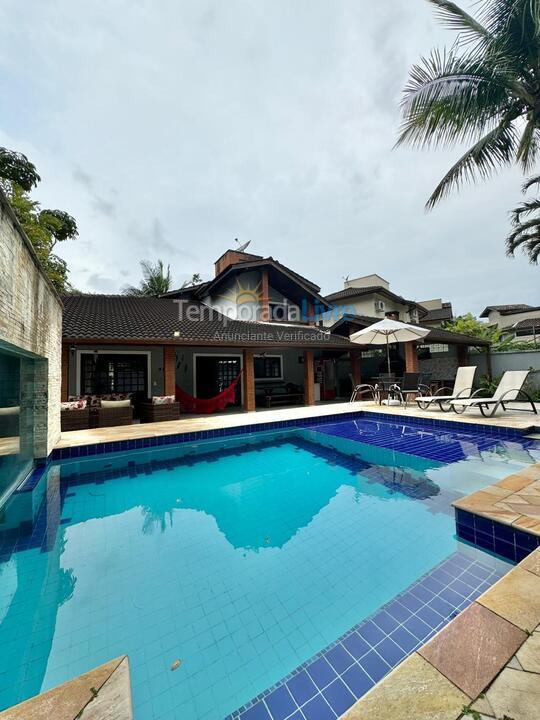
(364, 389)
(510, 389)
(463, 388)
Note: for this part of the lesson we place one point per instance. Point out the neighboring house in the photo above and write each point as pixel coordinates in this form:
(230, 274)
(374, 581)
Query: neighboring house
(371, 296)
(520, 322)
(256, 315)
(437, 312)
(368, 299)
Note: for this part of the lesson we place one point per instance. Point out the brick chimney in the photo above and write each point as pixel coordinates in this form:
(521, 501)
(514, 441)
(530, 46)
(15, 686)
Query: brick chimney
(232, 257)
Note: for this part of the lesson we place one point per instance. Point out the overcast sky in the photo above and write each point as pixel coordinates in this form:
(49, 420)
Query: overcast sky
(170, 128)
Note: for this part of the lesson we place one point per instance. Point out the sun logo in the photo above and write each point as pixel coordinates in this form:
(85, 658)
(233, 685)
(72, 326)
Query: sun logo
(246, 297)
(241, 294)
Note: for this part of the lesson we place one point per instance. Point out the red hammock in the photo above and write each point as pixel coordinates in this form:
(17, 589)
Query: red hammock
(208, 405)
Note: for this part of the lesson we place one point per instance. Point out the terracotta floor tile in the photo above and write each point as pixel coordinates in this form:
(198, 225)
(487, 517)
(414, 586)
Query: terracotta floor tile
(473, 648)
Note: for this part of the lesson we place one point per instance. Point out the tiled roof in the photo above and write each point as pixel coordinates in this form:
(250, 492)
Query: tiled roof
(118, 318)
(530, 322)
(507, 309)
(371, 289)
(439, 314)
(435, 335)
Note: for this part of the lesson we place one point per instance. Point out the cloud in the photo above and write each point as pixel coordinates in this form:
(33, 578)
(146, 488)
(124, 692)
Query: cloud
(271, 121)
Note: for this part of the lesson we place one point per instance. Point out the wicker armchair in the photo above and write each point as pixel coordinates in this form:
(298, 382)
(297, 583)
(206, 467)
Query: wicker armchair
(149, 412)
(75, 419)
(111, 416)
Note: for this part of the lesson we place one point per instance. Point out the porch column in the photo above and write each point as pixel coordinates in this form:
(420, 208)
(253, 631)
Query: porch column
(248, 381)
(411, 357)
(169, 370)
(265, 299)
(309, 378)
(354, 356)
(64, 393)
(462, 355)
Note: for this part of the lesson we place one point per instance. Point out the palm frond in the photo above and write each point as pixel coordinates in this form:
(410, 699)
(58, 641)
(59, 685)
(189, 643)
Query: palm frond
(528, 146)
(525, 208)
(529, 242)
(455, 18)
(495, 149)
(452, 99)
(534, 180)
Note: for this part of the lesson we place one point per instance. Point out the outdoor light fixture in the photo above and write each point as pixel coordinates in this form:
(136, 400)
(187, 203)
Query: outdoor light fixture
(176, 333)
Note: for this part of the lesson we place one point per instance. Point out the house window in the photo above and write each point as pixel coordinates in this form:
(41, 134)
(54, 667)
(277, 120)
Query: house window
(102, 373)
(268, 367)
(435, 348)
(278, 311)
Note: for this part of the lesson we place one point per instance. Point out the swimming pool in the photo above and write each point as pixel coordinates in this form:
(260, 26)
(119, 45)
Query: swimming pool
(284, 569)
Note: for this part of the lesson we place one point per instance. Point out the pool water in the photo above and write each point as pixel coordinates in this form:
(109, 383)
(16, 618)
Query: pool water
(242, 558)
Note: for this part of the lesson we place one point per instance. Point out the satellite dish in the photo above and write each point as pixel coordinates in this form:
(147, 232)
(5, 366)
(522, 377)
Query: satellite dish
(241, 248)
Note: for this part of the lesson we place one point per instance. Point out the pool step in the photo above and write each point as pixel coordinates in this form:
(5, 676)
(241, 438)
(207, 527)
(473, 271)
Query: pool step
(533, 436)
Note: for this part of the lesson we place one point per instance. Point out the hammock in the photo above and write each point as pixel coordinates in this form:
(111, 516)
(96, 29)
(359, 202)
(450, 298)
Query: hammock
(208, 405)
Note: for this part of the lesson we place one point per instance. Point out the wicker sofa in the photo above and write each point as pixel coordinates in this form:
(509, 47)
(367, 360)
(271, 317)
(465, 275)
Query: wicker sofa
(75, 419)
(111, 416)
(150, 412)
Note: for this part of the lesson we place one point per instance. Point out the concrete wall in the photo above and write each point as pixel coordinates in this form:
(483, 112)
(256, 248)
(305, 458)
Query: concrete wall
(519, 360)
(31, 325)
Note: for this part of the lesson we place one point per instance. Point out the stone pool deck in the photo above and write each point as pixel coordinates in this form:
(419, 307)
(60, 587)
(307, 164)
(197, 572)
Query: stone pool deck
(512, 419)
(485, 664)
(514, 501)
(100, 694)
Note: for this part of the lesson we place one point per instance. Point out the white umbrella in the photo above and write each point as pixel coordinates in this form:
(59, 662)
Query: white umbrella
(386, 332)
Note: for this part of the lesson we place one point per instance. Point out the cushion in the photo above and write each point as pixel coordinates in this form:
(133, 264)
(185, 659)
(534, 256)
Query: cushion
(163, 400)
(10, 410)
(74, 404)
(115, 403)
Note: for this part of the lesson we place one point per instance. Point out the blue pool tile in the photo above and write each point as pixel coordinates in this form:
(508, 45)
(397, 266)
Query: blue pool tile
(411, 602)
(385, 621)
(356, 645)
(430, 617)
(357, 680)
(390, 652)
(398, 611)
(257, 712)
(404, 639)
(280, 703)
(417, 627)
(318, 709)
(374, 665)
(371, 633)
(441, 606)
(339, 658)
(302, 687)
(338, 696)
(321, 672)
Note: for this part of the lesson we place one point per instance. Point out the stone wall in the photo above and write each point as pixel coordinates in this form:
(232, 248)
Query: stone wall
(31, 326)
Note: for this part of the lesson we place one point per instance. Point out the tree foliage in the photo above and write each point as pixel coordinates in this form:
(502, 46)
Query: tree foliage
(469, 325)
(525, 233)
(155, 281)
(195, 279)
(44, 228)
(484, 92)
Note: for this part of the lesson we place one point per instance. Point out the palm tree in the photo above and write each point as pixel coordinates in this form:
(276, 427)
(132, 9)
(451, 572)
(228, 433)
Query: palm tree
(155, 281)
(484, 91)
(526, 232)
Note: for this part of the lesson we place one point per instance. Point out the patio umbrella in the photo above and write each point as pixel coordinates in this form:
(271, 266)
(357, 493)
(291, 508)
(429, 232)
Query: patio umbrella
(386, 332)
